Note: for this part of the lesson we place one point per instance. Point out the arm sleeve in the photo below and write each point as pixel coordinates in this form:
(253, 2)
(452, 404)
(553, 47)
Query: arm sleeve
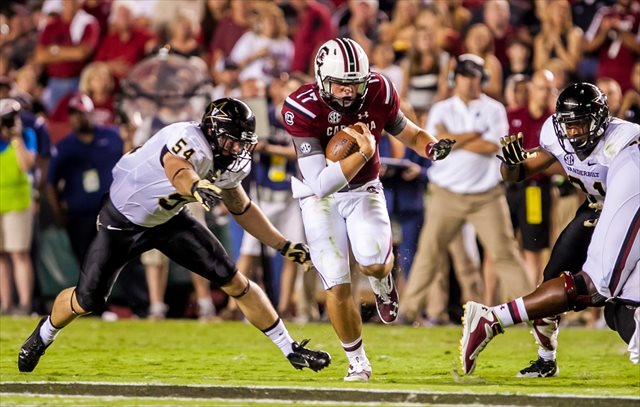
(323, 179)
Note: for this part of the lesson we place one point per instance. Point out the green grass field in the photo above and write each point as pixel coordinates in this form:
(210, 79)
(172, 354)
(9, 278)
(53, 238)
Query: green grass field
(180, 352)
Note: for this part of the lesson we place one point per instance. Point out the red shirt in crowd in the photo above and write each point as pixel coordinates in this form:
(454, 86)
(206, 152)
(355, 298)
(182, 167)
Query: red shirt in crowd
(314, 28)
(57, 32)
(520, 120)
(130, 51)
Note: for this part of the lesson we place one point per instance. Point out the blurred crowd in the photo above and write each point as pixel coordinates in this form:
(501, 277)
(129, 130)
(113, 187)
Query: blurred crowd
(83, 82)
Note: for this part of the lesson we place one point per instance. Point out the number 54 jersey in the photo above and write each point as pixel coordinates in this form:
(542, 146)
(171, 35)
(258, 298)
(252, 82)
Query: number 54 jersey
(590, 175)
(141, 190)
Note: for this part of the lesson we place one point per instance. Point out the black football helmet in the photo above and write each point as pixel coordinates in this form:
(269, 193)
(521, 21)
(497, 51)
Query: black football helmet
(229, 125)
(581, 106)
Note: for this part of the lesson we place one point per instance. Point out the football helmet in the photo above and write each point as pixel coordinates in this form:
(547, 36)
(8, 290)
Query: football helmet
(229, 125)
(342, 61)
(581, 118)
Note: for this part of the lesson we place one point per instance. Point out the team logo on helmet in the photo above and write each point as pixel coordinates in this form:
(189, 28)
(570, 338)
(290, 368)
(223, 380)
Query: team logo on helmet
(334, 117)
(322, 53)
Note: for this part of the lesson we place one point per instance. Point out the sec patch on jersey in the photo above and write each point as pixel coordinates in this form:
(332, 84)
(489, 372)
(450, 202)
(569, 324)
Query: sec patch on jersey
(342, 144)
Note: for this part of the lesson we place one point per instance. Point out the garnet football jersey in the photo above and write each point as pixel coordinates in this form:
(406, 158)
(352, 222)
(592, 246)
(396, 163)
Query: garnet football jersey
(312, 122)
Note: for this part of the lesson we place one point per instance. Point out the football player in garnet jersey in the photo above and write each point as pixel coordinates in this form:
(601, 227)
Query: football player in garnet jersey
(342, 202)
(184, 162)
(589, 266)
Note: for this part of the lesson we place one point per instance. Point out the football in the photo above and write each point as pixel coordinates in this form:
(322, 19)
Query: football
(342, 145)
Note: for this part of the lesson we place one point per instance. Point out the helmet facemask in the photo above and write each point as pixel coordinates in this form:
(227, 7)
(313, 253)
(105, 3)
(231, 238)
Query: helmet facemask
(593, 125)
(346, 105)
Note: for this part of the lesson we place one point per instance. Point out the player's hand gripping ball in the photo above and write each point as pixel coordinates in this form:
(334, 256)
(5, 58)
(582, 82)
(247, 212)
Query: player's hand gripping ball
(342, 144)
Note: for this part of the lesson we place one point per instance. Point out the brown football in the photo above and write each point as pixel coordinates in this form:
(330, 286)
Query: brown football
(342, 145)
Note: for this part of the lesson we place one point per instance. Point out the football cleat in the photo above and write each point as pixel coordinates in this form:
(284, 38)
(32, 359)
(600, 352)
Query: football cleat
(32, 349)
(359, 371)
(313, 359)
(480, 325)
(387, 299)
(540, 368)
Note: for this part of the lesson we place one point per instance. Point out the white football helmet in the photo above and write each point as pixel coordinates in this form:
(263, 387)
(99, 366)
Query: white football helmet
(343, 61)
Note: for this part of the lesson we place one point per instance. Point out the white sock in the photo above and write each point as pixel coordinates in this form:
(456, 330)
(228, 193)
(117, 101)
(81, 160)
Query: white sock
(511, 313)
(354, 349)
(280, 336)
(546, 354)
(206, 307)
(48, 332)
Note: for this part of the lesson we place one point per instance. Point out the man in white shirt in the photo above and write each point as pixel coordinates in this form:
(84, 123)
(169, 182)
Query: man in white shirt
(466, 187)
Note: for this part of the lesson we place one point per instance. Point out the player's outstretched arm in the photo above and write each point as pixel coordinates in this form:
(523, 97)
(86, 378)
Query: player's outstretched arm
(416, 138)
(518, 164)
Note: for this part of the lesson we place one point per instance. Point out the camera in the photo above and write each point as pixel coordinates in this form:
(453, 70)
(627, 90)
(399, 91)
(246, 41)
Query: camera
(8, 121)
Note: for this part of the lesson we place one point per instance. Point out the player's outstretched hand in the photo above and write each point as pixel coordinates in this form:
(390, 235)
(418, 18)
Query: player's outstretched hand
(297, 253)
(440, 149)
(206, 193)
(512, 151)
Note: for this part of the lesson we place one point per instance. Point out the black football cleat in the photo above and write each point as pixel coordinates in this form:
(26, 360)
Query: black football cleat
(32, 349)
(313, 359)
(540, 368)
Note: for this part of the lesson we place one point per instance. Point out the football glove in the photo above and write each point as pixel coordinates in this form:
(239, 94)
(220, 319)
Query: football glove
(439, 150)
(297, 253)
(512, 151)
(206, 193)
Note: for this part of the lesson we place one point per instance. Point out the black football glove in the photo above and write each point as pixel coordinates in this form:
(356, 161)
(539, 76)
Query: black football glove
(206, 193)
(440, 149)
(297, 253)
(512, 151)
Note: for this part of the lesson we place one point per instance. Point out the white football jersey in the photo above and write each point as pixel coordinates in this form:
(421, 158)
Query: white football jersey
(590, 175)
(140, 188)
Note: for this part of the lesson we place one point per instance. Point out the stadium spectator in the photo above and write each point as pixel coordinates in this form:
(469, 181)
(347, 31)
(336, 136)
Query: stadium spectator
(530, 200)
(496, 16)
(17, 158)
(383, 60)
(516, 93)
(519, 54)
(125, 44)
(264, 51)
(314, 26)
(614, 34)
(360, 20)
(631, 99)
(18, 38)
(424, 73)
(398, 32)
(182, 36)
(558, 37)
(65, 45)
(231, 26)
(228, 83)
(478, 41)
(613, 92)
(80, 174)
(97, 83)
(467, 188)
(133, 220)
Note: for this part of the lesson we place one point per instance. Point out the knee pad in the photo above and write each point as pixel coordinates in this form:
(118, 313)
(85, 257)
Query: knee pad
(578, 296)
(89, 302)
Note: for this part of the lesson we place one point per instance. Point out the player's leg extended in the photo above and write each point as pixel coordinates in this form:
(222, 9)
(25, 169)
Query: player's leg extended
(482, 323)
(108, 252)
(369, 231)
(568, 254)
(193, 246)
(326, 234)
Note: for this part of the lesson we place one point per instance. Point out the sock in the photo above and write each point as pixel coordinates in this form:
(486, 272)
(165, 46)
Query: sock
(354, 349)
(546, 354)
(48, 332)
(511, 313)
(206, 307)
(280, 336)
